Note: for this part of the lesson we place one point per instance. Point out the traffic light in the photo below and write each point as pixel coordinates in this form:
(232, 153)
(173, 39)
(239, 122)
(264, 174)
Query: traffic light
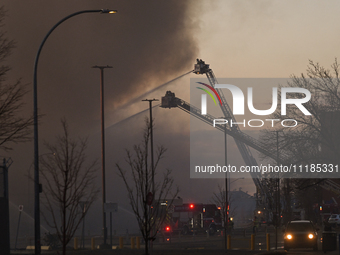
(191, 206)
(167, 228)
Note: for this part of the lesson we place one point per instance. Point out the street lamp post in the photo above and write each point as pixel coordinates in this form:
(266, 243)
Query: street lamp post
(37, 188)
(103, 146)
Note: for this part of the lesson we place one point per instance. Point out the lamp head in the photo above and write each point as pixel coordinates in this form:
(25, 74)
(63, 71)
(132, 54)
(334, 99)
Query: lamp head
(108, 11)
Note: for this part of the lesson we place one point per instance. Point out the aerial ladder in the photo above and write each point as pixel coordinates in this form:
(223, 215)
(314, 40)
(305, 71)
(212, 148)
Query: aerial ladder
(171, 101)
(202, 68)
(242, 140)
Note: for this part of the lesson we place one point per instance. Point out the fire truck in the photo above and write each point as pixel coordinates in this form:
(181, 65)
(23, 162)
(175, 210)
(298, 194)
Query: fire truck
(194, 218)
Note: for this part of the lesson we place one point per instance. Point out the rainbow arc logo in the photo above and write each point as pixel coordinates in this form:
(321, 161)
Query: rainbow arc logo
(209, 93)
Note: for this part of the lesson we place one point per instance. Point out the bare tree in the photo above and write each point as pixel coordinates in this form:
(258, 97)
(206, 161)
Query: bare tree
(138, 181)
(219, 199)
(67, 180)
(13, 128)
(316, 139)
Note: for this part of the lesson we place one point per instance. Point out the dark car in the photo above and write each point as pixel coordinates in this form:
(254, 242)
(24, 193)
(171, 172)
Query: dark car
(300, 234)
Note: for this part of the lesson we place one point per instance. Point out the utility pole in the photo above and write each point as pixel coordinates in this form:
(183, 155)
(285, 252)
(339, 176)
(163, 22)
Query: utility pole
(278, 190)
(103, 147)
(152, 162)
(151, 143)
(4, 205)
(226, 189)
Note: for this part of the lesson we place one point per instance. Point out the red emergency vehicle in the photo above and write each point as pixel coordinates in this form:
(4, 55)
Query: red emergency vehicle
(194, 218)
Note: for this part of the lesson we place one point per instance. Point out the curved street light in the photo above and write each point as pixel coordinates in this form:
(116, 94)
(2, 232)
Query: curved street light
(35, 116)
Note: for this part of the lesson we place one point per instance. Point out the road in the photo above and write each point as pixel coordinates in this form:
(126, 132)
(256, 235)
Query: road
(203, 244)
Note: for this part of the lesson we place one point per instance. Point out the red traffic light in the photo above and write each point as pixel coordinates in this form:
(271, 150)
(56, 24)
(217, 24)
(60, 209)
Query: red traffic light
(167, 228)
(191, 206)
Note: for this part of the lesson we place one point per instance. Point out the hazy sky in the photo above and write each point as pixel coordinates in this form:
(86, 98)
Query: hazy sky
(149, 43)
(268, 38)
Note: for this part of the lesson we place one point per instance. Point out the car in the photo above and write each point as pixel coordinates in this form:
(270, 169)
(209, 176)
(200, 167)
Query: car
(334, 220)
(300, 234)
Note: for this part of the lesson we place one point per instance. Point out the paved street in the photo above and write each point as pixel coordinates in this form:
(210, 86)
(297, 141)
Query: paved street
(202, 244)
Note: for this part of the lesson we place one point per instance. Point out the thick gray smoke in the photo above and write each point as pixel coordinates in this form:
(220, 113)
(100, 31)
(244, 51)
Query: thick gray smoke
(153, 41)
(147, 43)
